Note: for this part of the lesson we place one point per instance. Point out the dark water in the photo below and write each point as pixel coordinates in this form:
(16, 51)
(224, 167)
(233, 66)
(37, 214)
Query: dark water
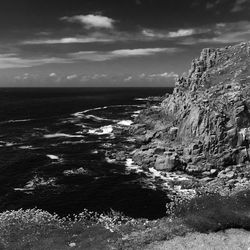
(53, 144)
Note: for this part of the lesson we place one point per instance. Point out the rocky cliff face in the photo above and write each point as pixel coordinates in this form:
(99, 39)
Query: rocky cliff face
(203, 128)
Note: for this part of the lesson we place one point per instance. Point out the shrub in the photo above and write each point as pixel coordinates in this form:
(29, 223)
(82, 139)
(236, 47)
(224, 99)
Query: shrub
(214, 212)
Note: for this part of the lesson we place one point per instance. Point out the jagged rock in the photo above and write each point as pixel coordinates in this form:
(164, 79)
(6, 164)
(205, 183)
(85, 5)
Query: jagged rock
(167, 162)
(207, 118)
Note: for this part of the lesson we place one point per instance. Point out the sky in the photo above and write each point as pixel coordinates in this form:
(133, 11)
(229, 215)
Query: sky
(60, 43)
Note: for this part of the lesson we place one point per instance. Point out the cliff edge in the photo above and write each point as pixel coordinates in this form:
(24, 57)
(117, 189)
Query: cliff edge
(203, 128)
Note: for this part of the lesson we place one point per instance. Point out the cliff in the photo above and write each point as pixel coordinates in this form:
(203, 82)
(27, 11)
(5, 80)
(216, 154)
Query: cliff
(203, 128)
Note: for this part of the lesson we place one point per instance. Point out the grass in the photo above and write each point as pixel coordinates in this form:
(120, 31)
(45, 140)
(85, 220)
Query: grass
(35, 229)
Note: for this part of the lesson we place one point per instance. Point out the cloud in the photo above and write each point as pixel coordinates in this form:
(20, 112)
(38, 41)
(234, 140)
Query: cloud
(122, 53)
(239, 5)
(72, 77)
(222, 33)
(128, 79)
(52, 75)
(14, 61)
(182, 32)
(141, 52)
(68, 40)
(91, 21)
(154, 34)
(164, 75)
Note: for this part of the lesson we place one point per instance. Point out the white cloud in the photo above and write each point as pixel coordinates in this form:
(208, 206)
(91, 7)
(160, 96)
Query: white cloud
(182, 32)
(123, 53)
(14, 61)
(239, 5)
(91, 21)
(52, 75)
(68, 40)
(156, 34)
(72, 77)
(224, 33)
(165, 75)
(128, 79)
(140, 52)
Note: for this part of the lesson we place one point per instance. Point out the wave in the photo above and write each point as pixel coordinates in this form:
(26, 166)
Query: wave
(26, 147)
(56, 135)
(8, 144)
(102, 130)
(53, 157)
(81, 113)
(130, 166)
(15, 121)
(125, 123)
(141, 99)
(97, 118)
(109, 160)
(73, 142)
(79, 171)
(37, 182)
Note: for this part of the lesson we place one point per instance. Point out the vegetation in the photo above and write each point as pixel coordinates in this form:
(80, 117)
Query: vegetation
(37, 229)
(214, 212)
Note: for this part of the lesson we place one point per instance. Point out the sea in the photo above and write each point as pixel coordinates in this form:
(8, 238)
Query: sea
(54, 145)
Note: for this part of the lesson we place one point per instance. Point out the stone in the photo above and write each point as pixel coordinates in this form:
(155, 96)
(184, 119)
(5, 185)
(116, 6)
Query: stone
(166, 163)
(193, 169)
(159, 150)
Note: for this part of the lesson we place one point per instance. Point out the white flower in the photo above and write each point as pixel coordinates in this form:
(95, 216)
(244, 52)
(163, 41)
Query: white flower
(72, 244)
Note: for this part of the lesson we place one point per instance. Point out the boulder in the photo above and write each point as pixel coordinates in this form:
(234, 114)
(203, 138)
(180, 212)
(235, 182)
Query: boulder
(166, 162)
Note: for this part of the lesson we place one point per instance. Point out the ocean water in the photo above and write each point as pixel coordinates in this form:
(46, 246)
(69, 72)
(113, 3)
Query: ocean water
(54, 145)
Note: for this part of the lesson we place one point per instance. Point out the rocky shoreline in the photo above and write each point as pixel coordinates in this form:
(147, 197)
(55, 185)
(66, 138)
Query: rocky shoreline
(201, 132)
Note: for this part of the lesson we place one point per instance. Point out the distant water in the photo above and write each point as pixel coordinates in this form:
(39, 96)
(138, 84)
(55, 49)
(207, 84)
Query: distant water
(53, 144)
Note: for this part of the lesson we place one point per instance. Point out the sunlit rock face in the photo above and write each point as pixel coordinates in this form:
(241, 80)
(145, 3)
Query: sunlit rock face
(205, 123)
(211, 104)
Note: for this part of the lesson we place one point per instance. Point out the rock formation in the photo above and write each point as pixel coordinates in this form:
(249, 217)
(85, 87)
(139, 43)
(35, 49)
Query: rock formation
(203, 128)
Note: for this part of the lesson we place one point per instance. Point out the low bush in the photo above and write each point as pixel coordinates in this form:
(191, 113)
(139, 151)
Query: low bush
(214, 212)
(31, 228)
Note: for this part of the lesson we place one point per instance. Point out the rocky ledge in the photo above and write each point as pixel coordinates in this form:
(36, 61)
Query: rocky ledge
(203, 129)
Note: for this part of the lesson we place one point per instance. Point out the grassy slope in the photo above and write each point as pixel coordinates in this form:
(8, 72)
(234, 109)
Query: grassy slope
(193, 224)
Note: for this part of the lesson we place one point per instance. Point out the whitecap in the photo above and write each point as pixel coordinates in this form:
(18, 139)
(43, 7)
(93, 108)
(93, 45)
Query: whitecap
(137, 112)
(16, 121)
(26, 147)
(79, 171)
(97, 118)
(155, 173)
(141, 99)
(53, 157)
(37, 182)
(102, 130)
(109, 160)
(130, 166)
(81, 113)
(10, 144)
(72, 142)
(48, 136)
(125, 123)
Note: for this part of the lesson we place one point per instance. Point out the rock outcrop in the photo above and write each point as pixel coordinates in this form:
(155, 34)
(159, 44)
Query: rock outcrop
(203, 128)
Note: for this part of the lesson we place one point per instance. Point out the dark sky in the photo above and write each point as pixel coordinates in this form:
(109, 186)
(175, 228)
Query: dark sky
(112, 42)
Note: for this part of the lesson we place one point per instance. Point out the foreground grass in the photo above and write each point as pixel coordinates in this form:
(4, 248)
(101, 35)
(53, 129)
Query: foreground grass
(37, 229)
